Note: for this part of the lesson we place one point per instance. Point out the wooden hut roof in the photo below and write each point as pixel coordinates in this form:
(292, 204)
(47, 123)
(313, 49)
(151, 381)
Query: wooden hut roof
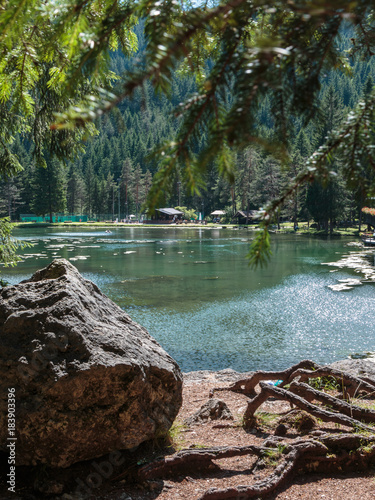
(244, 213)
(169, 211)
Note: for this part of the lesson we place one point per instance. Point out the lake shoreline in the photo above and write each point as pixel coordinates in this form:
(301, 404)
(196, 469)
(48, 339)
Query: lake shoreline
(286, 227)
(359, 367)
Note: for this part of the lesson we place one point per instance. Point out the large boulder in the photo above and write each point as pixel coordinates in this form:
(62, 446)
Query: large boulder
(87, 379)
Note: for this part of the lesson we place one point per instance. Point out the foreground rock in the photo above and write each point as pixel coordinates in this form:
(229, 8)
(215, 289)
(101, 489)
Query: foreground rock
(87, 379)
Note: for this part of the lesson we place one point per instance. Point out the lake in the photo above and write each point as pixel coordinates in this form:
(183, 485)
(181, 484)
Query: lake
(194, 292)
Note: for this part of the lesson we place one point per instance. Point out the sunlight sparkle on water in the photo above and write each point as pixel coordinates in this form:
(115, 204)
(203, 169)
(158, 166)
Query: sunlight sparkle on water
(300, 318)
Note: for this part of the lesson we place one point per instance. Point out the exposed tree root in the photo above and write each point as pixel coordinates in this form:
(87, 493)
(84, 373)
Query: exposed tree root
(304, 370)
(247, 386)
(310, 394)
(327, 453)
(304, 456)
(279, 476)
(351, 385)
(198, 459)
(316, 411)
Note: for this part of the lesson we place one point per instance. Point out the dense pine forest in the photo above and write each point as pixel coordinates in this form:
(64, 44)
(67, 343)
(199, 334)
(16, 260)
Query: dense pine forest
(114, 174)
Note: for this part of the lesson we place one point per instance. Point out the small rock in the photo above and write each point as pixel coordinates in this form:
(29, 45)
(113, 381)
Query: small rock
(214, 409)
(300, 420)
(281, 430)
(167, 485)
(272, 442)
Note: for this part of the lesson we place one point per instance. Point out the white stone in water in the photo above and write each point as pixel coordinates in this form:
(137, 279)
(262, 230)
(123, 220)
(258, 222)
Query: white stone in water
(354, 244)
(351, 282)
(88, 246)
(356, 261)
(369, 270)
(340, 287)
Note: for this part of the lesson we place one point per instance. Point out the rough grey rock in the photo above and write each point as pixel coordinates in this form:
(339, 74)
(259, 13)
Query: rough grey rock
(358, 367)
(87, 379)
(214, 409)
(227, 375)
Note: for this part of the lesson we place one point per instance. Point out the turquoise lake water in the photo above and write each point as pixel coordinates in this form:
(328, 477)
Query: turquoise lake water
(193, 291)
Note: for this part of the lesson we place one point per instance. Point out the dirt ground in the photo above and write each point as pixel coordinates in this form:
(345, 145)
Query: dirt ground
(110, 478)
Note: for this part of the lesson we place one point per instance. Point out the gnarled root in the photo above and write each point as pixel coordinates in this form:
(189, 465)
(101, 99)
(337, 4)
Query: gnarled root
(328, 453)
(310, 394)
(247, 386)
(197, 459)
(351, 385)
(279, 476)
(304, 371)
(316, 411)
(345, 452)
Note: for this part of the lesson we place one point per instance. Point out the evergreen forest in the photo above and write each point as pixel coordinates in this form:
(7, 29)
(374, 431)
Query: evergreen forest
(113, 175)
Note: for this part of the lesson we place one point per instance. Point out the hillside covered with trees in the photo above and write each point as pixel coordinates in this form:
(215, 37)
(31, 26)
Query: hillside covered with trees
(117, 163)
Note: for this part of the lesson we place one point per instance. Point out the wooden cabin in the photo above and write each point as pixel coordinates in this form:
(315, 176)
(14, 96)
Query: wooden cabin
(245, 216)
(166, 216)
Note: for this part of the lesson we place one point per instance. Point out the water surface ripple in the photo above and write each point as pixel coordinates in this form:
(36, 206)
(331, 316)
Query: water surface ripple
(193, 291)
